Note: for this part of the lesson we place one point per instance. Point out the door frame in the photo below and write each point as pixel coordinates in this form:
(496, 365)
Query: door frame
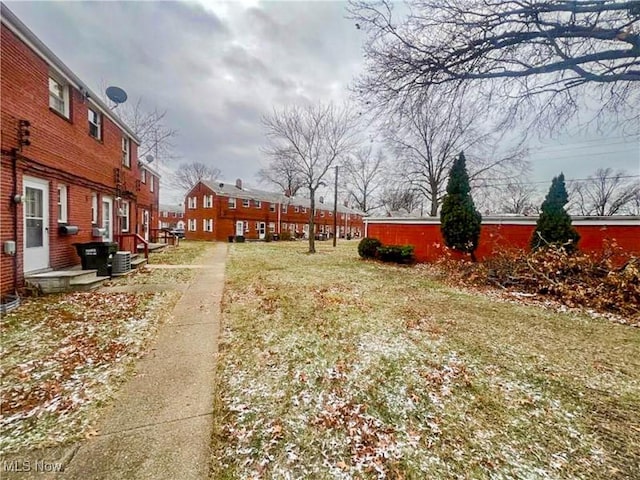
(108, 237)
(262, 230)
(42, 258)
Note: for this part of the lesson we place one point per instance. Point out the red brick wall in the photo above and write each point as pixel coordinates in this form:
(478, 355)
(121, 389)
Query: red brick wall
(225, 218)
(61, 151)
(428, 242)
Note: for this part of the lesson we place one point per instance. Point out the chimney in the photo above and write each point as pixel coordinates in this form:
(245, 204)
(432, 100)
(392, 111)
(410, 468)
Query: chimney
(321, 199)
(239, 183)
(346, 203)
(287, 193)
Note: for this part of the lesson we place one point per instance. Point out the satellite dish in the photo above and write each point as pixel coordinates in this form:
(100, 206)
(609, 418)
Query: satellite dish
(149, 158)
(116, 95)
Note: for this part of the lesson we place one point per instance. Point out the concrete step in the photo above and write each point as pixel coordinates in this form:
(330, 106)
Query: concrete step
(138, 261)
(59, 280)
(85, 284)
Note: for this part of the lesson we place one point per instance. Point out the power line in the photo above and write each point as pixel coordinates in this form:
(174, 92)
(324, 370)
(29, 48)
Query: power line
(547, 181)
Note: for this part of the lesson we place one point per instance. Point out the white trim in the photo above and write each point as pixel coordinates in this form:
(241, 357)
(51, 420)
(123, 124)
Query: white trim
(94, 208)
(97, 124)
(36, 257)
(62, 203)
(124, 216)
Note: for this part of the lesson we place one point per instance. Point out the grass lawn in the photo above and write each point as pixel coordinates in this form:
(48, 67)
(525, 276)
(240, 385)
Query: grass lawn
(65, 355)
(333, 367)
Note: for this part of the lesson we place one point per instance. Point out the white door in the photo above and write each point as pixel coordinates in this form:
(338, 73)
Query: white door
(107, 218)
(261, 230)
(239, 228)
(145, 224)
(36, 224)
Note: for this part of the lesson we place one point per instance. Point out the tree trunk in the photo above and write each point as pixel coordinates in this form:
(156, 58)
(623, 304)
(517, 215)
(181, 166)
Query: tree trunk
(312, 229)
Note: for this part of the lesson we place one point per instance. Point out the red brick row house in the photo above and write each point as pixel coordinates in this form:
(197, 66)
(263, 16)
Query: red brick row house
(171, 216)
(217, 210)
(69, 168)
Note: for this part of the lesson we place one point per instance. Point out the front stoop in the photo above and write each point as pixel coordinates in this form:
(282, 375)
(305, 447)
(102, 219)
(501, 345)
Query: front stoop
(71, 280)
(138, 260)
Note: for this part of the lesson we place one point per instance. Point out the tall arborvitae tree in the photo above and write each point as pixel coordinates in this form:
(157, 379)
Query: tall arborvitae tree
(554, 224)
(459, 219)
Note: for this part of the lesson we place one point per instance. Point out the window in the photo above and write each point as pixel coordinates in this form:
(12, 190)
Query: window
(151, 182)
(62, 203)
(246, 226)
(272, 227)
(95, 124)
(208, 201)
(246, 203)
(59, 96)
(126, 152)
(192, 202)
(207, 224)
(232, 202)
(124, 215)
(94, 208)
(272, 207)
(257, 203)
(143, 175)
(284, 208)
(322, 213)
(192, 225)
(296, 209)
(304, 209)
(331, 214)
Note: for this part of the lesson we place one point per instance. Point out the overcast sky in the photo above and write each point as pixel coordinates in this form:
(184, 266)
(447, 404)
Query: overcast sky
(216, 67)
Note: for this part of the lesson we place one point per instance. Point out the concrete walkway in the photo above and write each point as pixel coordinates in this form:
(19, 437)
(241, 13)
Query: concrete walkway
(160, 424)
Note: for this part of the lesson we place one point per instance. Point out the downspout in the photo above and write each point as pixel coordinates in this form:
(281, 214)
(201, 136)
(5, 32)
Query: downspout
(14, 158)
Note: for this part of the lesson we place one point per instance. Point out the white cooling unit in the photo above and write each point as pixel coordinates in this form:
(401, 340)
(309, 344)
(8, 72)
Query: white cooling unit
(121, 263)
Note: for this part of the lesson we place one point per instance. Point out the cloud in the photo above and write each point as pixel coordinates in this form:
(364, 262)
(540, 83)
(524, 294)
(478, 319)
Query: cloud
(215, 67)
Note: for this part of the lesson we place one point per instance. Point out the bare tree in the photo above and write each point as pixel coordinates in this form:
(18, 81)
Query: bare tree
(312, 138)
(429, 132)
(149, 125)
(400, 197)
(518, 198)
(604, 193)
(363, 174)
(188, 175)
(283, 173)
(538, 55)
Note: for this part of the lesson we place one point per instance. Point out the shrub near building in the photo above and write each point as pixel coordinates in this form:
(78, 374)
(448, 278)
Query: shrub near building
(368, 247)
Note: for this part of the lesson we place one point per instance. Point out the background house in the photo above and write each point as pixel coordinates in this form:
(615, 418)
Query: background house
(218, 210)
(171, 216)
(69, 169)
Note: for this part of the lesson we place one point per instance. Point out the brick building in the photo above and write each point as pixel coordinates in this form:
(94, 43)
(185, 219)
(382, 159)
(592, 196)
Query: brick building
(218, 210)
(69, 169)
(171, 216)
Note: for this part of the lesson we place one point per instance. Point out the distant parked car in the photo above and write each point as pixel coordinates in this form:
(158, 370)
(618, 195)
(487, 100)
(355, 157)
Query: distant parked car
(178, 232)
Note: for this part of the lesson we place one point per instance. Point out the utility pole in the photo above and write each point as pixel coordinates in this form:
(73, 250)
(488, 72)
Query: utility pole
(335, 209)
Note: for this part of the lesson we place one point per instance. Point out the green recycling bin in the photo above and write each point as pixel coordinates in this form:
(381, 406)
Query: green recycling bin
(96, 256)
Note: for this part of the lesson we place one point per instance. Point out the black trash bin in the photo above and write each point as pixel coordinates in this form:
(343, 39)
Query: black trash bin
(96, 256)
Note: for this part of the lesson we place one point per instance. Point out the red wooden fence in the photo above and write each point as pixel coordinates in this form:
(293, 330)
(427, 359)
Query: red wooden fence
(501, 233)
